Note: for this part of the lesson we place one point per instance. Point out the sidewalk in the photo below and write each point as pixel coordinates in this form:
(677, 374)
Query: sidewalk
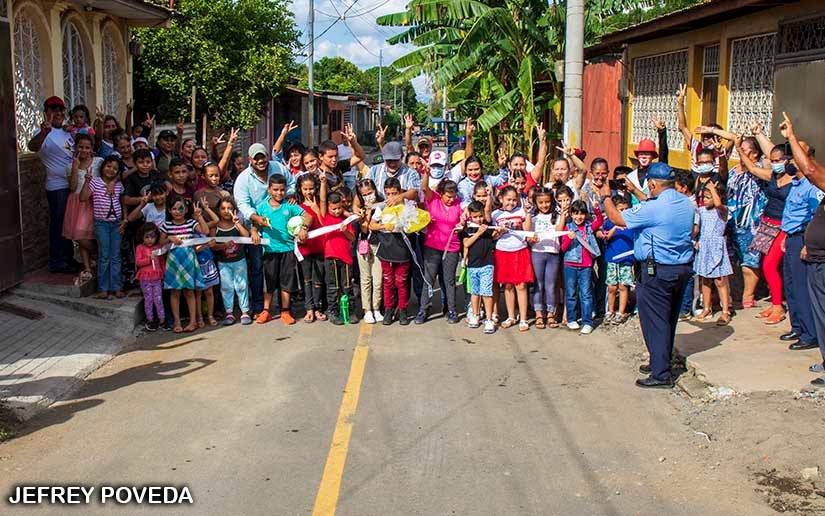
(746, 356)
(42, 360)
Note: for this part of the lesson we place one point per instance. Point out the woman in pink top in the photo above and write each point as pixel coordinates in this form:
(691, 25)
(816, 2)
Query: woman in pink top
(441, 244)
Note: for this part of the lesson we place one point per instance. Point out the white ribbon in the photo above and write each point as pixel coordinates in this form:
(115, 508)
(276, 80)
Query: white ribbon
(315, 233)
(543, 235)
(623, 255)
(190, 242)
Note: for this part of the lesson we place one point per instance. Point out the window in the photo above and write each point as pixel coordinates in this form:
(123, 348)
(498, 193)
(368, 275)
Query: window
(74, 67)
(335, 117)
(751, 82)
(710, 84)
(28, 77)
(113, 75)
(655, 81)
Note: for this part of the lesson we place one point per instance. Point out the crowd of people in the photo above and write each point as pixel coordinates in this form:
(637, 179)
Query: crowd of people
(186, 221)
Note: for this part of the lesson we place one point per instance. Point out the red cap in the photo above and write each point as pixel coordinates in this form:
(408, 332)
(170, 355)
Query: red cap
(54, 102)
(646, 145)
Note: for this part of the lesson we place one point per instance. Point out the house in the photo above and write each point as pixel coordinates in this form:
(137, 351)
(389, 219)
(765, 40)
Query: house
(742, 60)
(80, 51)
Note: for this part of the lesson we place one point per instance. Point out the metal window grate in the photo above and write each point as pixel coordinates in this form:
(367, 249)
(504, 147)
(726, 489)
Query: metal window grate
(74, 67)
(28, 77)
(710, 66)
(801, 40)
(655, 81)
(113, 75)
(751, 82)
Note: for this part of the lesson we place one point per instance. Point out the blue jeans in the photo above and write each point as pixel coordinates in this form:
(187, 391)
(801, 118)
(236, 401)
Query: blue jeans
(687, 298)
(108, 259)
(233, 281)
(60, 249)
(578, 282)
(255, 260)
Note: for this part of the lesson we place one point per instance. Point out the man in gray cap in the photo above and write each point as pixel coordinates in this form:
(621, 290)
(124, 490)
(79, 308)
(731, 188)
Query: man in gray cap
(663, 244)
(392, 166)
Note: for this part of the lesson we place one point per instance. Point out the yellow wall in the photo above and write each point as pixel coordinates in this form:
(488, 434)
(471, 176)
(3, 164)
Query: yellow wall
(695, 41)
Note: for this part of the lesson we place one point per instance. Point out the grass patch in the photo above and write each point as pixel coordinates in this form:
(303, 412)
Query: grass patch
(8, 424)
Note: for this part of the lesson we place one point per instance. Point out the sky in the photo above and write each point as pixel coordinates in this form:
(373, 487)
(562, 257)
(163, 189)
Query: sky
(360, 20)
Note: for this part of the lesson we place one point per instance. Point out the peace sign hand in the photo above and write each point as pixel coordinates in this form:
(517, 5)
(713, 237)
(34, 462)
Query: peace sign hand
(289, 127)
(380, 132)
(541, 131)
(469, 127)
(408, 121)
(150, 121)
(216, 140)
(681, 92)
(658, 124)
(233, 136)
(179, 125)
(235, 219)
(197, 211)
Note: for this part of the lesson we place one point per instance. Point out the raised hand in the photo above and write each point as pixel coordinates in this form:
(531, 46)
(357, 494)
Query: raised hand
(130, 104)
(703, 129)
(681, 92)
(147, 196)
(501, 155)
(216, 140)
(657, 123)
(786, 126)
(349, 133)
(469, 127)
(756, 127)
(541, 131)
(408, 121)
(150, 121)
(179, 125)
(289, 127)
(197, 211)
(99, 114)
(380, 133)
(235, 219)
(233, 136)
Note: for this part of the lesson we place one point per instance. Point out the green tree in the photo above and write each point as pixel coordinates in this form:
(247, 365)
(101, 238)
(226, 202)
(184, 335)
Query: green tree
(388, 75)
(334, 74)
(237, 52)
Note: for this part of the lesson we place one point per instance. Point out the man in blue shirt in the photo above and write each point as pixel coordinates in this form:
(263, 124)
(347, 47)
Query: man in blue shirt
(393, 167)
(663, 243)
(800, 207)
(250, 190)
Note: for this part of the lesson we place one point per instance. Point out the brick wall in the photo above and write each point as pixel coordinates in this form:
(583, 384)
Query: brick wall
(35, 212)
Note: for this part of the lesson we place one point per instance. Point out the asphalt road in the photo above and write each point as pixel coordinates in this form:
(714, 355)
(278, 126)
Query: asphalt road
(422, 420)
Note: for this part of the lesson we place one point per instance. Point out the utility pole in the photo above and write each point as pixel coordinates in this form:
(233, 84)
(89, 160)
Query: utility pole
(573, 68)
(395, 98)
(380, 78)
(311, 80)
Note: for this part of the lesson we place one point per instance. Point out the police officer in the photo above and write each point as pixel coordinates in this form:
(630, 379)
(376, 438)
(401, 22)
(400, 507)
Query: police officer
(663, 244)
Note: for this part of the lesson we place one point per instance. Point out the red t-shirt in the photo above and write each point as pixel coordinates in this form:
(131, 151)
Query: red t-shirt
(314, 245)
(337, 245)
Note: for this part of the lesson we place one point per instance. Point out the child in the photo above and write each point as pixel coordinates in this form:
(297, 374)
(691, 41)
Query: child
(712, 263)
(79, 224)
(209, 272)
(231, 261)
(479, 248)
(312, 250)
(512, 265)
(619, 276)
(337, 255)
(441, 249)
(179, 185)
(80, 117)
(150, 275)
(544, 254)
(152, 207)
(279, 254)
(394, 255)
(210, 192)
(581, 249)
(182, 270)
(137, 183)
(105, 192)
(369, 266)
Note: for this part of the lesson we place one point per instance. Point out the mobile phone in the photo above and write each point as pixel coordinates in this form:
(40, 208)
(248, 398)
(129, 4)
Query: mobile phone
(616, 184)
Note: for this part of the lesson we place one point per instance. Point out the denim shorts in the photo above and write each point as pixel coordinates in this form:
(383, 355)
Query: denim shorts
(744, 257)
(481, 280)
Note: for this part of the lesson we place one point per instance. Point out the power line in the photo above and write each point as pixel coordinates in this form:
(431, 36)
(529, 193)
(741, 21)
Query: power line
(358, 40)
(330, 26)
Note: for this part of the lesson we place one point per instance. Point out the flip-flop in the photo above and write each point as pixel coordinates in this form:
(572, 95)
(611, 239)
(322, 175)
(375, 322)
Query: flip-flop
(508, 323)
(212, 321)
(321, 316)
(190, 329)
(178, 329)
(309, 317)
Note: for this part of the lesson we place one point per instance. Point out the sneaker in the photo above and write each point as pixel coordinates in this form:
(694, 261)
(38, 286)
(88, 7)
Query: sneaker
(489, 327)
(609, 318)
(472, 320)
(403, 318)
(377, 316)
(421, 318)
(452, 317)
(287, 318)
(334, 319)
(246, 320)
(573, 325)
(263, 317)
(388, 317)
(620, 319)
(587, 329)
(229, 320)
(685, 316)
(368, 317)
(150, 326)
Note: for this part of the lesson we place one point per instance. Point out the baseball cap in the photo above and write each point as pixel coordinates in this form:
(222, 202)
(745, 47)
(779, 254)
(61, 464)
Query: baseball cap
(458, 156)
(660, 170)
(140, 139)
(257, 148)
(424, 140)
(438, 158)
(166, 133)
(54, 102)
(392, 150)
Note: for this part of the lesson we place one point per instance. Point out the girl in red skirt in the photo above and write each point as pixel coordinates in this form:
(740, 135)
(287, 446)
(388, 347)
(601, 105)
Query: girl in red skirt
(512, 264)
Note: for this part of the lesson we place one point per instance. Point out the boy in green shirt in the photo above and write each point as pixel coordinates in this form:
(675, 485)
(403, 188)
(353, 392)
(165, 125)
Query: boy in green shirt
(279, 259)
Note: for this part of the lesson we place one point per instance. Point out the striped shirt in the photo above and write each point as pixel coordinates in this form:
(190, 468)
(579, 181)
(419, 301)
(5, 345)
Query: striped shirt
(106, 205)
(186, 229)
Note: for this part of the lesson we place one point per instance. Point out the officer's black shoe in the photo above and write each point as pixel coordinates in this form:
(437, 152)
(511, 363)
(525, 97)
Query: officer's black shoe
(645, 369)
(653, 383)
(334, 319)
(799, 346)
(389, 317)
(403, 318)
(787, 337)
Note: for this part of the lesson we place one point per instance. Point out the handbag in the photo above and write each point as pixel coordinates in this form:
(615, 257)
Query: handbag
(766, 233)
(363, 247)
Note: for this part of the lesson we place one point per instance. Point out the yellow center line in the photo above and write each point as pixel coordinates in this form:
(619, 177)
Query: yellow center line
(326, 500)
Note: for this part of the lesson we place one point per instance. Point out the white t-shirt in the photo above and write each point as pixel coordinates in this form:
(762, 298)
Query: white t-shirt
(152, 214)
(512, 220)
(82, 173)
(56, 155)
(571, 183)
(544, 222)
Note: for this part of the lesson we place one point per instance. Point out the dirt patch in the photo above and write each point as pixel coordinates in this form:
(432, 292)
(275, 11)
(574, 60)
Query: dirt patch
(8, 424)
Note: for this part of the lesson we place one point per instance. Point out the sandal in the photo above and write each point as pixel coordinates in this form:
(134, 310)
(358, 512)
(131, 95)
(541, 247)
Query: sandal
(551, 323)
(321, 316)
(200, 322)
(120, 294)
(748, 303)
(775, 318)
(309, 317)
(190, 328)
(101, 295)
(212, 321)
(523, 326)
(540, 325)
(178, 329)
(724, 319)
(508, 322)
(702, 317)
(765, 313)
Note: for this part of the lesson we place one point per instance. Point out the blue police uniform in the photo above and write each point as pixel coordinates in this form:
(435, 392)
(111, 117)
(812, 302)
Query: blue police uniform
(800, 206)
(663, 242)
